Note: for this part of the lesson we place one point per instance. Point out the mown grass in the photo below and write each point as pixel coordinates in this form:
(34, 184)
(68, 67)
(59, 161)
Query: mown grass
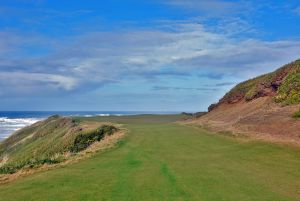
(161, 160)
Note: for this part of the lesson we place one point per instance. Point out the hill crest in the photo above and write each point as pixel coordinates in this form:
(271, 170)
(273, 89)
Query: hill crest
(265, 107)
(283, 85)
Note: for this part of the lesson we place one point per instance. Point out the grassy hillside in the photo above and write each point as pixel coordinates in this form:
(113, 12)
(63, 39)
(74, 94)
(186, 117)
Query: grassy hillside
(282, 84)
(160, 160)
(48, 142)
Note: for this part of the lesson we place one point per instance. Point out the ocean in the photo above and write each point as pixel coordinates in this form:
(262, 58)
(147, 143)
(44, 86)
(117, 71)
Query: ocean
(14, 120)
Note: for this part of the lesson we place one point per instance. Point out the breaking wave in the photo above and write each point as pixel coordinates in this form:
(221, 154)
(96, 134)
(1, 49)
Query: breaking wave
(10, 125)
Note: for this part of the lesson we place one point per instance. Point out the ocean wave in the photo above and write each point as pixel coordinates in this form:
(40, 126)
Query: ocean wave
(10, 125)
(88, 115)
(95, 115)
(18, 120)
(13, 125)
(103, 115)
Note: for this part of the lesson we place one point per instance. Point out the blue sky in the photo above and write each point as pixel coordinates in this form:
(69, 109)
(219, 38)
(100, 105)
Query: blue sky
(133, 55)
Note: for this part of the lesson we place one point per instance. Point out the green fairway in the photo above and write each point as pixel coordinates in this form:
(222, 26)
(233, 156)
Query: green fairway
(161, 160)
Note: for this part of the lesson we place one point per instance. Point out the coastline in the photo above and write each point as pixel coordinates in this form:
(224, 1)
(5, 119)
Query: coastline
(12, 121)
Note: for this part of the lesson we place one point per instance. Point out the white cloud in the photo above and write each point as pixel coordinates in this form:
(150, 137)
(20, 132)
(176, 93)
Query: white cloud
(19, 78)
(96, 58)
(188, 47)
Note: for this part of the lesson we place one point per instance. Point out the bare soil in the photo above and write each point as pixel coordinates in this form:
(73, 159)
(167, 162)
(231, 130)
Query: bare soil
(260, 118)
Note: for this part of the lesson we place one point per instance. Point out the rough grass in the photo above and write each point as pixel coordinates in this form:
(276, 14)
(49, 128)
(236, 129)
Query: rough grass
(296, 114)
(288, 92)
(82, 141)
(249, 88)
(48, 142)
(159, 160)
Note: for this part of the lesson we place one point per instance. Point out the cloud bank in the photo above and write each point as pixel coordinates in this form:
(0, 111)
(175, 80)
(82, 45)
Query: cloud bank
(103, 57)
(199, 50)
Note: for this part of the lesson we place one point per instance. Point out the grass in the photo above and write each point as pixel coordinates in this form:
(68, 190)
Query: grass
(249, 87)
(160, 160)
(288, 92)
(48, 142)
(83, 141)
(296, 114)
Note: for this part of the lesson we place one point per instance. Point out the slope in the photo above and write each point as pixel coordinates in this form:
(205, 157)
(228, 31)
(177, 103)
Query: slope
(265, 107)
(48, 142)
(160, 160)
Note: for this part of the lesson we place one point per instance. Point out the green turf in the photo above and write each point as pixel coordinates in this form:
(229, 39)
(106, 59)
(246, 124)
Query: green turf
(159, 160)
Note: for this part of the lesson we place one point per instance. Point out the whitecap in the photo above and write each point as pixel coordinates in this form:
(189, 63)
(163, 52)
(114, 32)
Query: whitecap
(10, 125)
(103, 115)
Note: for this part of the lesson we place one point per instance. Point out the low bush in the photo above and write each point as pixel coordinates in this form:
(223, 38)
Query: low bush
(8, 169)
(289, 91)
(108, 129)
(82, 141)
(14, 167)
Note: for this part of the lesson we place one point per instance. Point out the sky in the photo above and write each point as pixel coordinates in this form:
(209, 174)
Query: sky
(134, 55)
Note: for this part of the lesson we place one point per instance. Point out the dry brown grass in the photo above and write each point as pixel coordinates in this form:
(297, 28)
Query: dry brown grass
(3, 160)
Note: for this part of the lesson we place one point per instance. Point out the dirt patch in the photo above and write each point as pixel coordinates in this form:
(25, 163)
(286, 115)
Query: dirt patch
(260, 118)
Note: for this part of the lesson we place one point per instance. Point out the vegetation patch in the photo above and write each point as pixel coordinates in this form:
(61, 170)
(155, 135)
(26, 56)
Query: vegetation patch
(83, 141)
(249, 89)
(49, 142)
(192, 115)
(296, 114)
(282, 84)
(33, 163)
(289, 91)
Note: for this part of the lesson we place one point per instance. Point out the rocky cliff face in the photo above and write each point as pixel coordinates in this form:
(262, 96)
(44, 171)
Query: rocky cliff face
(266, 107)
(283, 85)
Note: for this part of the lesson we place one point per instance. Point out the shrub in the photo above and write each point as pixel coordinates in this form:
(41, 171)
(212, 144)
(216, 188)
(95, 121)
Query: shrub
(108, 129)
(289, 91)
(82, 141)
(7, 169)
(32, 163)
(76, 121)
(252, 92)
